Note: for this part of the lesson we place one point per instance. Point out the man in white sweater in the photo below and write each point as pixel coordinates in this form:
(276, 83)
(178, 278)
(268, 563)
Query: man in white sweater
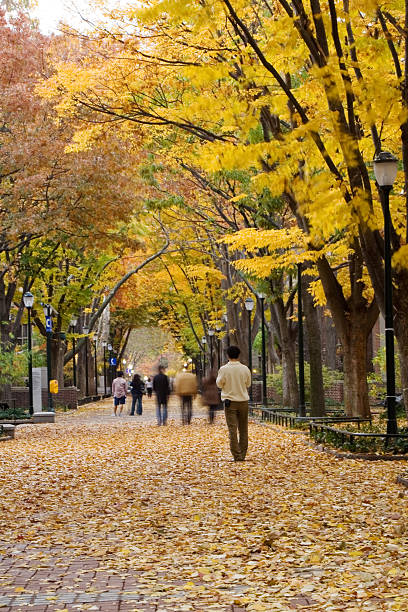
(234, 379)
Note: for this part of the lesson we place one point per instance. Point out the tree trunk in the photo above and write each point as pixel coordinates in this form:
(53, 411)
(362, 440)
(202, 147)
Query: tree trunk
(314, 342)
(402, 337)
(356, 401)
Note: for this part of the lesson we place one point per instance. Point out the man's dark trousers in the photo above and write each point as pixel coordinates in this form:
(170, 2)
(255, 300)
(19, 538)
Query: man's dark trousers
(186, 409)
(236, 416)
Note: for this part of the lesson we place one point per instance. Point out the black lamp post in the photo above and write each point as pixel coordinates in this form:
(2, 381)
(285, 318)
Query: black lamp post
(302, 405)
(385, 170)
(225, 319)
(211, 333)
(249, 305)
(95, 339)
(73, 324)
(261, 296)
(85, 329)
(204, 342)
(28, 300)
(110, 348)
(104, 343)
(48, 329)
(218, 329)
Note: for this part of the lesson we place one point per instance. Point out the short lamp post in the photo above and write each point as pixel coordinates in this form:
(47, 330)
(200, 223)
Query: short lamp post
(302, 405)
(249, 305)
(28, 300)
(211, 333)
(104, 344)
(261, 296)
(385, 170)
(204, 342)
(73, 324)
(48, 329)
(95, 340)
(85, 329)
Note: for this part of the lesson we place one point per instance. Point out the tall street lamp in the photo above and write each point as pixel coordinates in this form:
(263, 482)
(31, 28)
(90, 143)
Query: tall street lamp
(218, 329)
(85, 329)
(249, 305)
(204, 342)
(261, 296)
(225, 319)
(95, 339)
(73, 324)
(211, 333)
(302, 405)
(48, 330)
(385, 170)
(28, 300)
(104, 344)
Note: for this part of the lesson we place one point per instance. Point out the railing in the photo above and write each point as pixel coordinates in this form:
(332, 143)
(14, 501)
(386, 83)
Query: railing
(343, 437)
(286, 418)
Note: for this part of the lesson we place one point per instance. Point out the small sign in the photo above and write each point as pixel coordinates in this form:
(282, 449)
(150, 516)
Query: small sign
(48, 324)
(113, 361)
(53, 386)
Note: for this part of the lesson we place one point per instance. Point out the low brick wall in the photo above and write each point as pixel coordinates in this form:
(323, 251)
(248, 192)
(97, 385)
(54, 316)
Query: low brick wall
(67, 397)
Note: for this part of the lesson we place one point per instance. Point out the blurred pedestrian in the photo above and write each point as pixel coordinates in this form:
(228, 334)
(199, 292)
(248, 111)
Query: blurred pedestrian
(210, 395)
(149, 387)
(161, 387)
(137, 389)
(186, 388)
(119, 390)
(234, 379)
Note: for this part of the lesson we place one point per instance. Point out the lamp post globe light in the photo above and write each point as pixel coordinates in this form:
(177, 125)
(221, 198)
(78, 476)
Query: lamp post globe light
(249, 305)
(85, 329)
(261, 297)
(385, 170)
(104, 344)
(28, 300)
(73, 324)
(48, 330)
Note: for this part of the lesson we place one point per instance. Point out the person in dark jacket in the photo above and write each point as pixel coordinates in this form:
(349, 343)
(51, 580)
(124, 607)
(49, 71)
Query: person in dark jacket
(137, 390)
(210, 395)
(161, 387)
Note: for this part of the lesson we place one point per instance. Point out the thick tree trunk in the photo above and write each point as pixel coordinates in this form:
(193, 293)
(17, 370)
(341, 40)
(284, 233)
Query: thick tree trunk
(402, 337)
(356, 401)
(289, 381)
(314, 341)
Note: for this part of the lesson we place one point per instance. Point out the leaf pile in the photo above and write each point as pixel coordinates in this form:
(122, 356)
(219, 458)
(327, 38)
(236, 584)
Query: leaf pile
(291, 528)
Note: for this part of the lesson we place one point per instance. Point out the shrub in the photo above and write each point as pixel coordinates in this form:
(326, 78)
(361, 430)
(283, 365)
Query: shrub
(330, 377)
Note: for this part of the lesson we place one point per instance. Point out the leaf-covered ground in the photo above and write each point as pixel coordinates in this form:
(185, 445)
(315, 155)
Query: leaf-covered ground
(106, 514)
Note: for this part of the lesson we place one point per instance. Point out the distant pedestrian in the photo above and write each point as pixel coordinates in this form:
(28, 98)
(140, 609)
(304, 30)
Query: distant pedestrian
(234, 379)
(137, 389)
(186, 388)
(210, 395)
(119, 390)
(149, 387)
(161, 387)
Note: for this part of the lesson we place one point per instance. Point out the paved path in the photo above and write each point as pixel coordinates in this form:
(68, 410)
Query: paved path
(114, 513)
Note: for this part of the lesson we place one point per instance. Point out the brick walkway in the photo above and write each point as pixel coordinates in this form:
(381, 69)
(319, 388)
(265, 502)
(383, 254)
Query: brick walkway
(114, 513)
(43, 579)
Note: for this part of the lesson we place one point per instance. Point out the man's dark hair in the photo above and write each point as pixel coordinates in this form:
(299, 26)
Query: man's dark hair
(161, 369)
(233, 352)
(119, 374)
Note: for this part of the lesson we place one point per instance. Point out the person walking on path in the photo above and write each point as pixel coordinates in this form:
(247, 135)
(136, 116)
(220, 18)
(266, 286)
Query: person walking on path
(234, 379)
(137, 390)
(149, 387)
(119, 389)
(186, 388)
(161, 387)
(210, 395)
